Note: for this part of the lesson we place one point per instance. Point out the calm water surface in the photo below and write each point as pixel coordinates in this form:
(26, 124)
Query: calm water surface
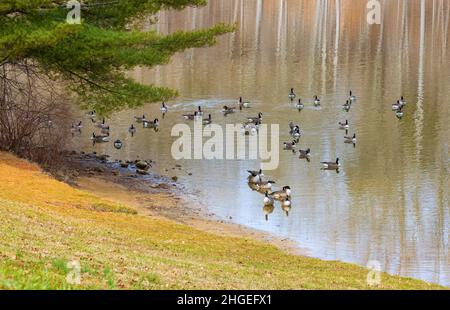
(390, 201)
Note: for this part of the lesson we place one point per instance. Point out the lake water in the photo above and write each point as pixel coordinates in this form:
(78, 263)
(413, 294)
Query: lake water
(390, 200)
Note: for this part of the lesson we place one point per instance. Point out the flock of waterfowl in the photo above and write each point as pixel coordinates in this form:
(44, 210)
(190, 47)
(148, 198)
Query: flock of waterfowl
(256, 180)
(250, 126)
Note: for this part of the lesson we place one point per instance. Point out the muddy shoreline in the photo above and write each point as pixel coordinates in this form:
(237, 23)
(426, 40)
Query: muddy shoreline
(154, 195)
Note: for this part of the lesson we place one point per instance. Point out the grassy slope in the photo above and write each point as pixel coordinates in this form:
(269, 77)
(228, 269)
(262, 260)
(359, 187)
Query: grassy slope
(46, 223)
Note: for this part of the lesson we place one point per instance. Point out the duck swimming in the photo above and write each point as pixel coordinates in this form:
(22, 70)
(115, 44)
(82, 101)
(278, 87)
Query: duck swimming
(140, 119)
(346, 106)
(207, 121)
(296, 133)
(299, 104)
(255, 176)
(268, 210)
(305, 154)
(282, 194)
(150, 124)
(164, 108)
(255, 119)
(265, 185)
(191, 116)
(99, 138)
(292, 95)
(349, 139)
(92, 115)
(351, 97)
(228, 110)
(316, 101)
(288, 146)
(344, 125)
(399, 112)
(244, 104)
(331, 165)
(102, 125)
(286, 205)
(396, 106)
(132, 130)
(268, 201)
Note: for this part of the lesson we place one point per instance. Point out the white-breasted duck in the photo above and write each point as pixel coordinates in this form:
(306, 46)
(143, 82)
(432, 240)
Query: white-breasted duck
(265, 184)
(164, 108)
(288, 146)
(296, 133)
(351, 97)
(191, 116)
(151, 124)
(244, 104)
(399, 113)
(92, 115)
(316, 101)
(350, 139)
(292, 94)
(281, 195)
(140, 119)
(255, 119)
(286, 205)
(207, 121)
(331, 165)
(299, 105)
(305, 154)
(228, 110)
(396, 106)
(344, 125)
(99, 138)
(132, 130)
(255, 176)
(102, 124)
